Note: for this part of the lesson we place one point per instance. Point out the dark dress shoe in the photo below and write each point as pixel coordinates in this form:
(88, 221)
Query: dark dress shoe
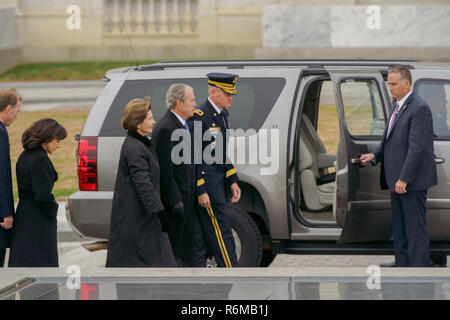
(438, 260)
(387, 264)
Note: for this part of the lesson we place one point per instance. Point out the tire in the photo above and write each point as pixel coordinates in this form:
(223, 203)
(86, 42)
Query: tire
(247, 237)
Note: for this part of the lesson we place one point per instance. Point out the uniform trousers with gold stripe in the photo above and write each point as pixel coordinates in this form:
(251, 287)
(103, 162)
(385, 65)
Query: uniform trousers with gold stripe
(218, 235)
(214, 228)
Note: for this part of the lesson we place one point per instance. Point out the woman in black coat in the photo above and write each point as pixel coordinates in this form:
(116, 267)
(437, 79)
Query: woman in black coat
(136, 237)
(34, 242)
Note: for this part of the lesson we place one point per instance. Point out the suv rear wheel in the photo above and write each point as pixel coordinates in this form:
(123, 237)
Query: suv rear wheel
(247, 237)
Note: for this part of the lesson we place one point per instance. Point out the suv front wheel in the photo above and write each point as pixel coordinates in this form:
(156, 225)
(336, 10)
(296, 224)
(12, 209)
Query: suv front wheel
(247, 237)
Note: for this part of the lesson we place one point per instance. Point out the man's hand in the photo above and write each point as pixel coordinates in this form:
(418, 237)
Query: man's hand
(7, 223)
(203, 200)
(236, 191)
(177, 209)
(400, 187)
(366, 158)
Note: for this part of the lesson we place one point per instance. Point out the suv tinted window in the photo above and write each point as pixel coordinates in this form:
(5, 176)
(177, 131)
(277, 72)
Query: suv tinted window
(363, 108)
(436, 93)
(251, 106)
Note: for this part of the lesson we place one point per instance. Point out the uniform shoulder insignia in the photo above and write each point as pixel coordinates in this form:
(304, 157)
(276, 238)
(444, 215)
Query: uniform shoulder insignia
(199, 112)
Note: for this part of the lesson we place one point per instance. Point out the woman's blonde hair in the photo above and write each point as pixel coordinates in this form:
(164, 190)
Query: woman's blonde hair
(135, 113)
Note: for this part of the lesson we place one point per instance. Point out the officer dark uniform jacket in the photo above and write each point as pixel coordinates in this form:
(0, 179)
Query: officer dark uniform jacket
(216, 178)
(178, 183)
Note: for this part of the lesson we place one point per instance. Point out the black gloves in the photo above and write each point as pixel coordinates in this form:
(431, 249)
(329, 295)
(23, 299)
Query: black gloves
(177, 209)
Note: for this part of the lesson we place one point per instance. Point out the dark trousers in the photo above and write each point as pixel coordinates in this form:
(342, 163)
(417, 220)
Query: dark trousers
(199, 251)
(214, 229)
(409, 226)
(2, 257)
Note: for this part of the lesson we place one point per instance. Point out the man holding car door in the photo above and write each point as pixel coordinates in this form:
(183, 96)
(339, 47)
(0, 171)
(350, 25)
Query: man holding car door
(408, 169)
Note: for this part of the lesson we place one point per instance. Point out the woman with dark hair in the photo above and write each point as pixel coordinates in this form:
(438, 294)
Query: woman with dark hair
(34, 242)
(136, 237)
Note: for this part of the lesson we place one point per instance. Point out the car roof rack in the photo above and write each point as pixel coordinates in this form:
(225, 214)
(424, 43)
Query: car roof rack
(239, 64)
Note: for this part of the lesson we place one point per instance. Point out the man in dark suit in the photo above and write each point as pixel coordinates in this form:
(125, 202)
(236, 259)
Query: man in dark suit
(177, 171)
(10, 105)
(216, 178)
(408, 169)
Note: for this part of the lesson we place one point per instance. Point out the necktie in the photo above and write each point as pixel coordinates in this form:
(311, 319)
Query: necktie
(224, 119)
(186, 126)
(394, 115)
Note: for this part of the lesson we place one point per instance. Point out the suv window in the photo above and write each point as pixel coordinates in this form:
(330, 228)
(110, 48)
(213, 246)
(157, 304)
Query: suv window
(327, 119)
(254, 100)
(363, 108)
(435, 93)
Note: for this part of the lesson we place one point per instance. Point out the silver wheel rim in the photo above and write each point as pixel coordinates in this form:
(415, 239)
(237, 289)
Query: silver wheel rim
(211, 263)
(237, 242)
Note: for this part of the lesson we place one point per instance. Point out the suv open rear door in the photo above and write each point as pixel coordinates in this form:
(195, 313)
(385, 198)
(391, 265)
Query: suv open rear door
(361, 208)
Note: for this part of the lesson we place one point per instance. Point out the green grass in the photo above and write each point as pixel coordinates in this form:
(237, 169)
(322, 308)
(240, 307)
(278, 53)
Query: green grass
(64, 70)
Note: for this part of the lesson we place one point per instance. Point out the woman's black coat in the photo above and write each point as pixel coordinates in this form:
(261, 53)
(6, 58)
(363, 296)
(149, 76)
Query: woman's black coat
(34, 235)
(136, 238)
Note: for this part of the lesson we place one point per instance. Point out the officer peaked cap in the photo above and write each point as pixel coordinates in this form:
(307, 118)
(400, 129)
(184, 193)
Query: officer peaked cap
(224, 81)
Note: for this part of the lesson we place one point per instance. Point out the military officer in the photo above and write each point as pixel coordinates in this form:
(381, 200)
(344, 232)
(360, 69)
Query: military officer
(216, 178)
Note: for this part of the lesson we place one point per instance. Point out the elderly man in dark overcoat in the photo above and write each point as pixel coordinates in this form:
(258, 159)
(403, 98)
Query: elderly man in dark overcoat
(173, 144)
(10, 105)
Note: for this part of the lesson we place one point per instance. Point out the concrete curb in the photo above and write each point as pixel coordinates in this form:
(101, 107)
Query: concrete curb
(271, 283)
(390, 273)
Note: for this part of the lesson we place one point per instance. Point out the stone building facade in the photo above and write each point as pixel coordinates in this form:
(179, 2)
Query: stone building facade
(78, 30)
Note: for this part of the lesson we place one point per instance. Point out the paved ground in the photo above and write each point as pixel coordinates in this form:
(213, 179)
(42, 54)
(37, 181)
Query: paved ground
(73, 253)
(46, 95)
(289, 277)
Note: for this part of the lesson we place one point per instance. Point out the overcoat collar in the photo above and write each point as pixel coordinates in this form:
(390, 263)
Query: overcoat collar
(135, 135)
(40, 149)
(174, 118)
(179, 125)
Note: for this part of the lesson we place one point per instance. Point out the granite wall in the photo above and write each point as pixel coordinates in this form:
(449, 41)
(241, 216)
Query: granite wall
(395, 31)
(35, 30)
(347, 26)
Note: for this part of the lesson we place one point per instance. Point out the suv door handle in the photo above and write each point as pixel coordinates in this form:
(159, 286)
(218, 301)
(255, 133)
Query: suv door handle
(439, 160)
(356, 162)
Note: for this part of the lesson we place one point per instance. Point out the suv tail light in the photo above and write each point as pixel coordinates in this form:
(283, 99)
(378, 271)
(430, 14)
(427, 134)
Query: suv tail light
(87, 163)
